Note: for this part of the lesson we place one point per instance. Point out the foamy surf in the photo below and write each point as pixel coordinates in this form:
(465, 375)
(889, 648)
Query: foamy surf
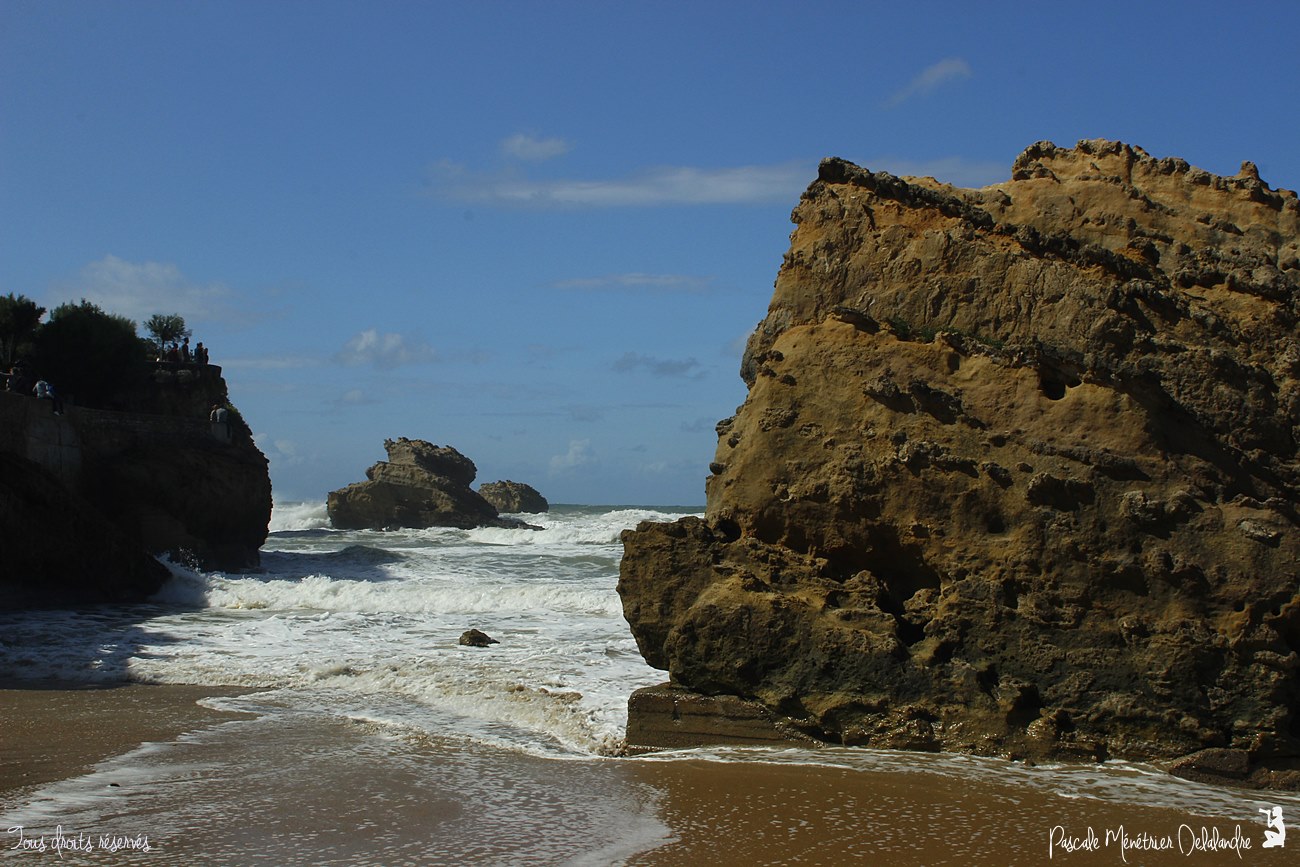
(367, 623)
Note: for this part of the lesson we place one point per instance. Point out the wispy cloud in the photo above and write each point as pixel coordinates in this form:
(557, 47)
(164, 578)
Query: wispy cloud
(384, 351)
(579, 454)
(355, 397)
(584, 413)
(531, 148)
(700, 424)
(269, 362)
(636, 281)
(137, 290)
(280, 452)
(656, 187)
(686, 368)
(932, 77)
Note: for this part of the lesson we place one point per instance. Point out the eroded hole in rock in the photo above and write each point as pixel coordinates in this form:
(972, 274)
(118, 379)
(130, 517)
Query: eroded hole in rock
(1055, 385)
(1010, 594)
(726, 529)
(908, 632)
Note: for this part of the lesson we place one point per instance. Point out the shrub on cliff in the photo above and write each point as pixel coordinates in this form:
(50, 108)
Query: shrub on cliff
(20, 316)
(89, 355)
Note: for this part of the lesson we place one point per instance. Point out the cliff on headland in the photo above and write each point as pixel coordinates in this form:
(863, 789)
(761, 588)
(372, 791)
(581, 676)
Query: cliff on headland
(1016, 474)
(420, 485)
(87, 497)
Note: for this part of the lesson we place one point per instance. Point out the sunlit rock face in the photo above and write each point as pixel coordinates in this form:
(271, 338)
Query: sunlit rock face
(1016, 472)
(420, 485)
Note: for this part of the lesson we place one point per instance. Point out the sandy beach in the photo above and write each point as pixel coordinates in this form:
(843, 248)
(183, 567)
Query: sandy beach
(299, 789)
(52, 731)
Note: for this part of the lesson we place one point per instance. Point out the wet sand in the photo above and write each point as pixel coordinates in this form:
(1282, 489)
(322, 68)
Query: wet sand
(52, 731)
(294, 788)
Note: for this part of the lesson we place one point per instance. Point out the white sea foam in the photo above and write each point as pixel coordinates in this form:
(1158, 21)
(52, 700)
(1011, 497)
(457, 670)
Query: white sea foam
(364, 626)
(367, 623)
(296, 515)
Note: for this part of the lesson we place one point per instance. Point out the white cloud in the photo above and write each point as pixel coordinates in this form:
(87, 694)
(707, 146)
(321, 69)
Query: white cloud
(579, 454)
(384, 351)
(529, 147)
(139, 290)
(687, 368)
(636, 280)
(280, 452)
(354, 397)
(949, 69)
(670, 185)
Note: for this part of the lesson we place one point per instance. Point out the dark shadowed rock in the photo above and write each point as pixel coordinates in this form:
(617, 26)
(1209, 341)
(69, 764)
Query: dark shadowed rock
(1016, 473)
(475, 638)
(59, 550)
(514, 497)
(156, 472)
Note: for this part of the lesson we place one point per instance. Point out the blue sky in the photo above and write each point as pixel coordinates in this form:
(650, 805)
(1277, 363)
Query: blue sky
(541, 231)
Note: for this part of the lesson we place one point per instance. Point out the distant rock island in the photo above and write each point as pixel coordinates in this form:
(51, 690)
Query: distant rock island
(514, 497)
(420, 485)
(1016, 475)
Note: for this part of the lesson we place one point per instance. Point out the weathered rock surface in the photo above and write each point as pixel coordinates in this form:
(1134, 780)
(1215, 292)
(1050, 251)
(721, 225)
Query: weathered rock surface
(514, 497)
(420, 485)
(671, 718)
(203, 501)
(158, 476)
(1016, 473)
(59, 550)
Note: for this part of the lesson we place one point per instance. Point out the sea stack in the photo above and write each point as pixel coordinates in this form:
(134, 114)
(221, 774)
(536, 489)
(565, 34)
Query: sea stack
(514, 497)
(1016, 473)
(420, 485)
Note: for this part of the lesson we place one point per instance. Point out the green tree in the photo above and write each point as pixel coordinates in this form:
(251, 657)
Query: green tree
(167, 328)
(92, 356)
(19, 318)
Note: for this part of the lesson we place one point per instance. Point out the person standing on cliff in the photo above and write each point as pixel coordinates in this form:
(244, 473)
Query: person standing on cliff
(45, 391)
(185, 351)
(219, 416)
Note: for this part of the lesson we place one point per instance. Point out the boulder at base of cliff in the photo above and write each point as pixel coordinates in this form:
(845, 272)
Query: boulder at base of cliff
(514, 497)
(420, 485)
(59, 550)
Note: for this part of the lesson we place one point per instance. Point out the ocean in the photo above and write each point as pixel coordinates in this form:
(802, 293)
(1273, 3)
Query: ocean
(353, 728)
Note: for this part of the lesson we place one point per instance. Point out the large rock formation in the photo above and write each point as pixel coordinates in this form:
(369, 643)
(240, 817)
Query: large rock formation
(1016, 473)
(59, 550)
(514, 497)
(420, 485)
(92, 493)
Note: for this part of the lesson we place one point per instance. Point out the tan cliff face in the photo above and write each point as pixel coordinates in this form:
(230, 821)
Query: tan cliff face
(1016, 473)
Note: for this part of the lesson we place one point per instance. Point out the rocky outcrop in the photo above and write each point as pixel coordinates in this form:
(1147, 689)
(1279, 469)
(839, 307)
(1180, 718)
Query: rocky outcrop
(59, 550)
(206, 502)
(514, 497)
(1016, 473)
(128, 485)
(420, 485)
